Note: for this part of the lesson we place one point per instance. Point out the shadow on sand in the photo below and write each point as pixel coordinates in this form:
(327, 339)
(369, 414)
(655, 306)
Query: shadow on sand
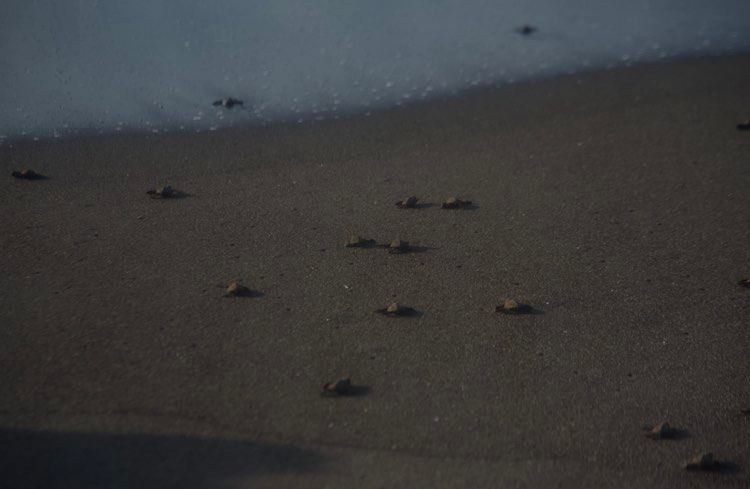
(71, 459)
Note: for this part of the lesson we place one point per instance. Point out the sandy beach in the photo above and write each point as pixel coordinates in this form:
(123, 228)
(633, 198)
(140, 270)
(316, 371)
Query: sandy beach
(615, 203)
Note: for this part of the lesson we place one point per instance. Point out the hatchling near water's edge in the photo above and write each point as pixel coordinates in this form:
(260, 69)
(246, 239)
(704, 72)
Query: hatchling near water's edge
(526, 30)
(228, 102)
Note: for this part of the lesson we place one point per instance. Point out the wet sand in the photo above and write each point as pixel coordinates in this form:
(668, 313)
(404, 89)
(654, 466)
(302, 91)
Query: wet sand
(615, 203)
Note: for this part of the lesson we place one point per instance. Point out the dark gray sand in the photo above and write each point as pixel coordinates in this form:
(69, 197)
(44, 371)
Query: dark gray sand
(615, 203)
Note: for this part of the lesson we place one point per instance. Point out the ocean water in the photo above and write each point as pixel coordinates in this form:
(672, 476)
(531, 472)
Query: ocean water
(72, 67)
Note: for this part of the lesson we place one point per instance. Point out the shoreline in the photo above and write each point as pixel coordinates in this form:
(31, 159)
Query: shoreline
(615, 202)
(310, 121)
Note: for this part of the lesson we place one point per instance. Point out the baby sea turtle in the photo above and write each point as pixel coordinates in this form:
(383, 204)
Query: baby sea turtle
(165, 192)
(398, 246)
(340, 387)
(455, 203)
(237, 290)
(359, 242)
(511, 306)
(407, 203)
(704, 462)
(395, 309)
(661, 431)
(744, 126)
(526, 29)
(228, 102)
(28, 174)
(745, 282)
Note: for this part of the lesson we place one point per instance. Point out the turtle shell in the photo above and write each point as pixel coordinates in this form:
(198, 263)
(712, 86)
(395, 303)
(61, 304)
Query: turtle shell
(358, 242)
(28, 174)
(455, 203)
(407, 203)
(660, 431)
(704, 461)
(228, 102)
(237, 290)
(395, 309)
(511, 306)
(339, 387)
(398, 246)
(164, 192)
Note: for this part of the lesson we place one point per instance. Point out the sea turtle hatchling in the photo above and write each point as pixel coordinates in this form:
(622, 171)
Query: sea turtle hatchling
(511, 306)
(339, 387)
(455, 203)
(744, 126)
(407, 203)
(28, 174)
(237, 290)
(227, 102)
(745, 282)
(397, 246)
(660, 431)
(165, 192)
(704, 461)
(359, 242)
(395, 309)
(526, 29)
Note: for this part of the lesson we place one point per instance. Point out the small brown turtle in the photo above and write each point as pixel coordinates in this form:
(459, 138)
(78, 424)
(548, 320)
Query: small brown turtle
(745, 282)
(359, 242)
(661, 431)
(704, 462)
(228, 102)
(455, 203)
(511, 306)
(28, 174)
(407, 203)
(339, 387)
(744, 126)
(165, 192)
(395, 309)
(397, 246)
(237, 290)
(526, 29)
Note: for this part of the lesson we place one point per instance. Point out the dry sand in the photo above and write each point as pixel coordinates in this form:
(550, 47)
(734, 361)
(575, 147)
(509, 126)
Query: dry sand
(616, 203)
